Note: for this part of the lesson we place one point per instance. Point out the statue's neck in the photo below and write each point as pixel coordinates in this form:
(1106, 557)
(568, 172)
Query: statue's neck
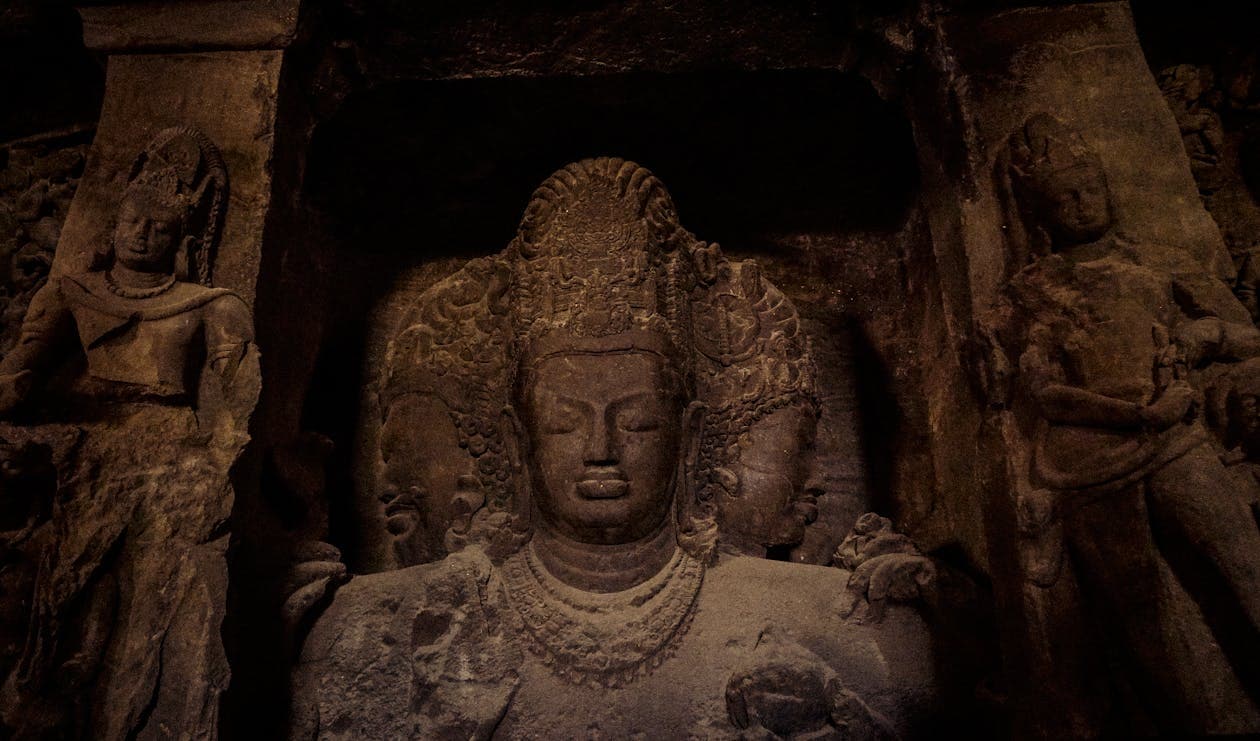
(604, 568)
(133, 278)
(1089, 251)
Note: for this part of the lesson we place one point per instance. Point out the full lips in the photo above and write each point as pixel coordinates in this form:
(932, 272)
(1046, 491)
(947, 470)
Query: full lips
(602, 488)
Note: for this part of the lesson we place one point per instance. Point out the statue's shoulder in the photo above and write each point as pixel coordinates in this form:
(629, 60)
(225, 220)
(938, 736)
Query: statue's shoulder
(379, 609)
(91, 291)
(766, 576)
(814, 597)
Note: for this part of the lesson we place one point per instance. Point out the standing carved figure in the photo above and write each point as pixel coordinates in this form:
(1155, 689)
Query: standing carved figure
(1122, 466)
(145, 419)
(584, 595)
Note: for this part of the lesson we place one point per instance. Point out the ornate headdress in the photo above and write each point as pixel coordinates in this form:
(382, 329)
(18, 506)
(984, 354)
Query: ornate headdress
(182, 170)
(601, 263)
(1043, 146)
(596, 257)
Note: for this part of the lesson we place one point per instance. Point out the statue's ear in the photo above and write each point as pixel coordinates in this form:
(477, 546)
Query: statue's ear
(692, 429)
(515, 444)
(697, 527)
(183, 259)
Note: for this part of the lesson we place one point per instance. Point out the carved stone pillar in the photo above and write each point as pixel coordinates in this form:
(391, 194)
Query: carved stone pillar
(125, 563)
(212, 65)
(985, 74)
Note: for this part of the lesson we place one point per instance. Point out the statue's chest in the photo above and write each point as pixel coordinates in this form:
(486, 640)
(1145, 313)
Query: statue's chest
(157, 354)
(684, 696)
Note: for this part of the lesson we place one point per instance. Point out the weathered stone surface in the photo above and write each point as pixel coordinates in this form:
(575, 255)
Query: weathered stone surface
(36, 187)
(747, 644)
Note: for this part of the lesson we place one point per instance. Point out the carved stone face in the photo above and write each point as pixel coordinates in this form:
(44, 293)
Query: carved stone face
(603, 443)
(424, 470)
(775, 500)
(146, 235)
(1076, 205)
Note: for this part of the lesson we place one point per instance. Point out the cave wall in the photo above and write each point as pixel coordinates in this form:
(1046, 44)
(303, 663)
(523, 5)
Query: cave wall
(375, 146)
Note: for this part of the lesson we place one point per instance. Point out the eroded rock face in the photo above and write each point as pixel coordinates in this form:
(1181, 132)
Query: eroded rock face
(626, 397)
(133, 384)
(37, 183)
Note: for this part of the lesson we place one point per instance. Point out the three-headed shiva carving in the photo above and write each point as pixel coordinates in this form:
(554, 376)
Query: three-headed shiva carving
(597, 381)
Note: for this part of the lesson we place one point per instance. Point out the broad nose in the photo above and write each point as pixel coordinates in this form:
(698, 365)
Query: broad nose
(599, 448)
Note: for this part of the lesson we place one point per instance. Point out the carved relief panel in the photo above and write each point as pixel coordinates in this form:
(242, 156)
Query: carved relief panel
(129, 392)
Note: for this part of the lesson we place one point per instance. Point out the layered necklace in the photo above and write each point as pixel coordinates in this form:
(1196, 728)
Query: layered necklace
(129, 292)
(602, 639)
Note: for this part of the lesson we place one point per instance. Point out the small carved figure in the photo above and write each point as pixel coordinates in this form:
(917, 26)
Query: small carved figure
(584, 593)
(1107, 347)
(887, 567)
(131, 581)
(1189, 92)
(1217, 161)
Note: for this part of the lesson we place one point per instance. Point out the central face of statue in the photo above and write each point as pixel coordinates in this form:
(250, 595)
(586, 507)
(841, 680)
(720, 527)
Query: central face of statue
(604, 440)
(146, 235)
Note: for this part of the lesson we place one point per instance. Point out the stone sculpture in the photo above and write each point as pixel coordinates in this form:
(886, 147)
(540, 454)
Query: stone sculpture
(149, 375)
(595, 374)
(1109, 340)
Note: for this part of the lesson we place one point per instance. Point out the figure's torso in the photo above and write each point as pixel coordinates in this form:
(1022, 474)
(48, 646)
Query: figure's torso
(153, 344)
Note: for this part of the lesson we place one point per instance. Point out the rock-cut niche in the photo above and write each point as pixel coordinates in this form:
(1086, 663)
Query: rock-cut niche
(809, 173)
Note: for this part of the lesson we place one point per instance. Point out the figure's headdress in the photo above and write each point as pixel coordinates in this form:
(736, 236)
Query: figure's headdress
(1044, 146)
(182, 170)
(597, 257)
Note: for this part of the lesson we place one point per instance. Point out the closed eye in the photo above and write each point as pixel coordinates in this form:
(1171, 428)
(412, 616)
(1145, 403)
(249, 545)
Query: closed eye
(637, 420)
(561, 418)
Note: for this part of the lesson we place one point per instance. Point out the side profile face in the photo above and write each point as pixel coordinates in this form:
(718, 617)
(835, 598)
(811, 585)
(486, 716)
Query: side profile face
(424, 470)
(146, 235)
(603, 443)
(775, 500)
(1076, 205)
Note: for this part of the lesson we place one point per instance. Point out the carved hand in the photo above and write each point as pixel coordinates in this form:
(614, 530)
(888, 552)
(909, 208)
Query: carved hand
(1174, 405)
(316, 574)
(13, 389)
(886, 566)
(1199, 339)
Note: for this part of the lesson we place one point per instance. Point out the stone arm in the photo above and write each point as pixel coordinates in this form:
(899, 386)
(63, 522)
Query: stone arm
(47, 326)
(1210, 338)
(1076, 406)
(229, 338)
(231, 379)
(1062, 403)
